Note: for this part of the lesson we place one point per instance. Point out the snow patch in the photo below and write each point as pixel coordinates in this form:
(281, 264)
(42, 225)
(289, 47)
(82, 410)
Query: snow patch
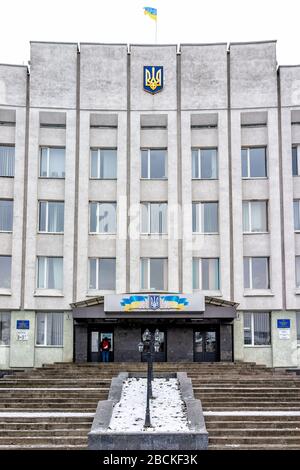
(167, 409)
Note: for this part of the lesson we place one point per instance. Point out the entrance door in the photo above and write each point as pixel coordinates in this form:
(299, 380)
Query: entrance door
(95, 338)
(160, 356)
(206, 345)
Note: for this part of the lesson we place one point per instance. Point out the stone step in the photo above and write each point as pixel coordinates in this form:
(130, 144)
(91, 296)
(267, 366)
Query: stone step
(253, 447)
(245, 418)
(280, 425)
(257, 433)
(52, 409)
(44, 433)
(51, 400)
(23, 446)
(281, 440)
(36, 427)
(60, 440)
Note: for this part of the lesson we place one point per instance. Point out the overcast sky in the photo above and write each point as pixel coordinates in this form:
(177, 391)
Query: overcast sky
(196, 21)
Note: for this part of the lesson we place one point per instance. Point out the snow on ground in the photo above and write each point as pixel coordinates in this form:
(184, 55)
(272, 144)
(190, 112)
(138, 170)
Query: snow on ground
(167, 409)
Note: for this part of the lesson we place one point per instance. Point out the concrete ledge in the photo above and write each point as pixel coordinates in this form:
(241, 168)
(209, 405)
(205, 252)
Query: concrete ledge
(100, 439)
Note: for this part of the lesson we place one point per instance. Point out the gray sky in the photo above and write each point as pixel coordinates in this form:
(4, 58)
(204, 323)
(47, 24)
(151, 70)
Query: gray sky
(196, 21)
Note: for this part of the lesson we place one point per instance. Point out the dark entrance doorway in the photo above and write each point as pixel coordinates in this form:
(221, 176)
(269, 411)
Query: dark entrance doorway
(206, 344)
(96, 335)
(160, 356)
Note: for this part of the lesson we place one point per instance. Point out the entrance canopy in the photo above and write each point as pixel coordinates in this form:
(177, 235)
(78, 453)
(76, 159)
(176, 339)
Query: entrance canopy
(152, 306)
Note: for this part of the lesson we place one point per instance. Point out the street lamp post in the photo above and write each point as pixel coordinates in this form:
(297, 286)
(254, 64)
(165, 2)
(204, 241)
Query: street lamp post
(149, 345)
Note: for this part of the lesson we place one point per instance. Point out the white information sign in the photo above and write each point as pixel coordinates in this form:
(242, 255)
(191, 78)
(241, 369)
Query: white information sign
(284, 333)
(22, 335)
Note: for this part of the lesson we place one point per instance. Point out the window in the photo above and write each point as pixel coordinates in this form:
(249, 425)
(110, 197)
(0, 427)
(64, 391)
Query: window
(257, 329)
(7, 160)
(255, 216)
(298, 326)
(102, 273)
(6, 215)
(297, 259)
(205, 217)
(5, 272)
(103, 217)
(295, 160)
(204, 164)
(254, 162)
(51, 216)
(154, 164)
(296, 214)
(50, 329)
(154, 217)
(206, 274)
(104, 163)
(50, 273)
(154, 273)
(256, 273)
(52, 163)
(4, 329)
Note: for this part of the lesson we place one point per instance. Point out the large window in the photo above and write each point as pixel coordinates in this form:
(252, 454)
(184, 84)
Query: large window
(104, 163)
(204, 163)
(295, 160)
(4, 329)
(52, 162)
(50, 273)
(154, 163)
(103, 217)
(5, 272)
(6, 215)
(50, 329)
(102, 273)
(7, 160)
(298, 326)
(256, 273)
(154, 273)
(154, 217)
(205, 217)
(51, 216)
(254, 162)
(206, 274)
(296, 214)
(257, 329)
(297, 263)
(255, 216)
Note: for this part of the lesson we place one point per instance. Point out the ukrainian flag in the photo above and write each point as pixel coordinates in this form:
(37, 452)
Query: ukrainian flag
(152, 12)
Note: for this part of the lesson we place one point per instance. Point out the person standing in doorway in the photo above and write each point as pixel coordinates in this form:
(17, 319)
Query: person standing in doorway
(105, 348)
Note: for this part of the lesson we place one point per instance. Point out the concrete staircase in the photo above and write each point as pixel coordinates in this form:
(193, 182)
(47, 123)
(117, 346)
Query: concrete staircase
(53, 407)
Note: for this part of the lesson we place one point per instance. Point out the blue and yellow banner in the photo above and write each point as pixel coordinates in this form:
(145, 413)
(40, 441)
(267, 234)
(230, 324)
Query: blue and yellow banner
(151, 12)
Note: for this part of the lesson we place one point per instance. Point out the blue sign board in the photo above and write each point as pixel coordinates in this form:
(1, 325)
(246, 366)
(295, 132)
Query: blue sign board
(23, 324)
(284, 323)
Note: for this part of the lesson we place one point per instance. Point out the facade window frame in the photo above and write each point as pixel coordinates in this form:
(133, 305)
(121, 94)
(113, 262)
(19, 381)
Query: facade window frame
(48, 148)
(252, 330)
(47, 216)
(198, 262)
(297, 147)
(8, 315)
(248, 149)
(150, 221)
(12, 216)
(249, 203)
(250, 262)
(13, 158)
(46, 273)
(165, 274)
(97, 217)
(99, 150)
(199, 160)
(200, 217)
(45, 344)
(163, 178)
(98, 261)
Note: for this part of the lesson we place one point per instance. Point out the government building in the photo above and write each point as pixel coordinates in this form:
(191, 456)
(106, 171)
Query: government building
(150, 186)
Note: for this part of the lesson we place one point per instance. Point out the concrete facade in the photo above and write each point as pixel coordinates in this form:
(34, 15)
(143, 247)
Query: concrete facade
(91, 95)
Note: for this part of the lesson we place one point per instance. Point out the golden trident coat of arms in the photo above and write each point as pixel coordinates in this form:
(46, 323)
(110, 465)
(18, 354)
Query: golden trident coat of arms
(153, 78)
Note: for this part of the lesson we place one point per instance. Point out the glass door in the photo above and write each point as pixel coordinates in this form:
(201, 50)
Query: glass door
(101, 345)
(206, 345)
(160, 356)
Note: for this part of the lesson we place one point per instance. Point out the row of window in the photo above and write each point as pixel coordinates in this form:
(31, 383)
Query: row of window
(102, 273)
(103, 217)
(103, 162)
(50, 329)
